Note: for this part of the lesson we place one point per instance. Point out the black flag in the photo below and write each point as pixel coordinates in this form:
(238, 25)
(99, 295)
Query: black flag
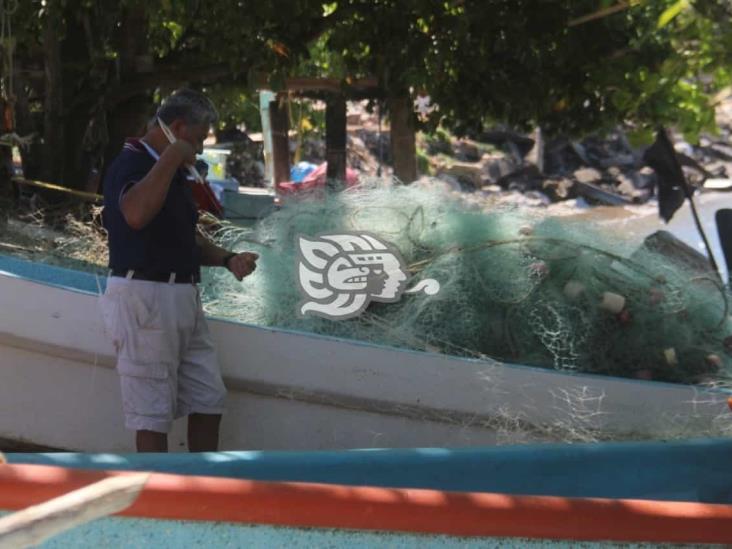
(671, 182)
(672, 185)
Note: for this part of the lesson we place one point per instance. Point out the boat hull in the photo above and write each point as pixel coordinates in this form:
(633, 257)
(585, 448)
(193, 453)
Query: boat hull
(297, 391)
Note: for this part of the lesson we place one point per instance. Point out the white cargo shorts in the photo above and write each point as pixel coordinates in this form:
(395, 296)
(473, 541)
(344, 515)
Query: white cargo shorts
(165, 357)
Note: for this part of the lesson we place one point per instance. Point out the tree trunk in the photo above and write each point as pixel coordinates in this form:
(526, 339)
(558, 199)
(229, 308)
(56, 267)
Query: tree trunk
(280, 125)
(134, 43)
(53, 126)
(67, 64)
(403, 143)
(6, 172)
(127, 119)
(27, 123)
(75, 175)
(129, 116)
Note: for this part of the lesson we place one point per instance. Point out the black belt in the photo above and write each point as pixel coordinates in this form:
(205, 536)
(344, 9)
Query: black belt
(170, 277)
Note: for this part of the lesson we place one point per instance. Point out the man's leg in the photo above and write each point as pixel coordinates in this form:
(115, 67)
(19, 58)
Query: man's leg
(146, 332)
(151, 441)
(201, 391)
(203, 432)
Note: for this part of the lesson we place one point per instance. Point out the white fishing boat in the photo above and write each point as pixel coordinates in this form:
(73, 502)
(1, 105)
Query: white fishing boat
(299, 391)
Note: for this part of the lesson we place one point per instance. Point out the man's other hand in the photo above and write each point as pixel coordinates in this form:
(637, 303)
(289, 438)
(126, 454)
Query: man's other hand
(243, 264)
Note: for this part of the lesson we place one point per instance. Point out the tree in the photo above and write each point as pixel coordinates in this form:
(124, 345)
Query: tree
(91, 67)
(87, 71)
(528, 63)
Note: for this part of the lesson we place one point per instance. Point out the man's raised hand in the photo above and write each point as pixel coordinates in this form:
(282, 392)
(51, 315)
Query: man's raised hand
(184, 151)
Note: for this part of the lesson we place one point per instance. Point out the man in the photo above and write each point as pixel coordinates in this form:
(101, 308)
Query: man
(152, 308)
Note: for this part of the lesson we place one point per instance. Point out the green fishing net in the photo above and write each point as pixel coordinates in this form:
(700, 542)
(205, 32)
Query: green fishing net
(516, 286)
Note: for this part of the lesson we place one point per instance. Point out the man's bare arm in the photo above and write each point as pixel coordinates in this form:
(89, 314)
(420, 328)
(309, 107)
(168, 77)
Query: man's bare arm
(142, 202)
(211, 254)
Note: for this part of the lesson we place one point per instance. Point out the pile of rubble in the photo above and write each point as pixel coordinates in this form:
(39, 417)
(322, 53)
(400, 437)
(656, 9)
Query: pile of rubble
(600, 170)
(605, 169)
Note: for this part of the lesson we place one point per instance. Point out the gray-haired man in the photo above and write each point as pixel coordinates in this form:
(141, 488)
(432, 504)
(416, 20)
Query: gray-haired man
(152, 308)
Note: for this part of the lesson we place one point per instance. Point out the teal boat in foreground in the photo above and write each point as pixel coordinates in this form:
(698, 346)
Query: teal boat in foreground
(520, 496)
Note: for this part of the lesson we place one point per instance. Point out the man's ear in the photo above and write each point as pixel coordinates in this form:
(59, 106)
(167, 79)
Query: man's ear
(177, 127)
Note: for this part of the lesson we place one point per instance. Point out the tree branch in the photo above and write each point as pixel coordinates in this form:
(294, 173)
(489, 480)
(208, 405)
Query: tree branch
(172, 75)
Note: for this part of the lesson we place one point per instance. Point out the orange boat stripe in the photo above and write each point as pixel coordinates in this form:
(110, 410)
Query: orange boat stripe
(168, 496)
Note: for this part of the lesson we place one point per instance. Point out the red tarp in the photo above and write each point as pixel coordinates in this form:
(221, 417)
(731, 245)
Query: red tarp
(314, 180)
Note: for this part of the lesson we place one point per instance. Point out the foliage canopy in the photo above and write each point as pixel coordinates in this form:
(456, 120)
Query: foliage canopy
(519, 62)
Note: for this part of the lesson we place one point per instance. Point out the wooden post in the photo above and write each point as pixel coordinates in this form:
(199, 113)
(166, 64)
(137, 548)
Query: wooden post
(536, 154)
(335, 142)
(265, 100)
(403, 142)
(280, 123)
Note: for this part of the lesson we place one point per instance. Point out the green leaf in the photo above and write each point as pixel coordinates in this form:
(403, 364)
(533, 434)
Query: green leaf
(641, 137)
(671, 12)
(175, 29)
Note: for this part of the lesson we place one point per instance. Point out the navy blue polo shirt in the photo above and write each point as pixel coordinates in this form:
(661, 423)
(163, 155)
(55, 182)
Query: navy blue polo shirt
(168, 242)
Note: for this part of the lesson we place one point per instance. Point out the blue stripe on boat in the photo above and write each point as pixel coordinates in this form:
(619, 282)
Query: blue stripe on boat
(695, 471)
(53, 275)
